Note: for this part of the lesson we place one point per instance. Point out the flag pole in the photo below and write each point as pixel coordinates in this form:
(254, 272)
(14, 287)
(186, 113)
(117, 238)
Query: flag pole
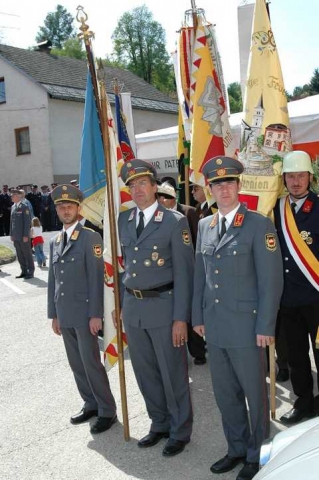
(272, 376)
(114, 246)
(103, 119)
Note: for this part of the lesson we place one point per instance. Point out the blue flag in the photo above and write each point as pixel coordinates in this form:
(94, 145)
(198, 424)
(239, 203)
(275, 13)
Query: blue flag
(92, 170)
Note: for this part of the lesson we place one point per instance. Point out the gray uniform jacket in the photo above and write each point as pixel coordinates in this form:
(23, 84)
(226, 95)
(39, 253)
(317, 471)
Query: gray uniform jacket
(238, 281)
(20, 223)
(76, 278)
(162, 254)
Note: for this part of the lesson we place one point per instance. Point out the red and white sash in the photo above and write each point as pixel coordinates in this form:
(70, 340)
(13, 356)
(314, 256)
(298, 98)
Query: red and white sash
(301, 253)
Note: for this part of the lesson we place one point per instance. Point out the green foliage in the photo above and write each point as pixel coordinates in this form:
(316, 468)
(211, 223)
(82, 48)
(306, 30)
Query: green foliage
(311, 88)
(314, 82)
(58, 27)
(72, 48)
(139, 45)
(235, 98)
(315, 183)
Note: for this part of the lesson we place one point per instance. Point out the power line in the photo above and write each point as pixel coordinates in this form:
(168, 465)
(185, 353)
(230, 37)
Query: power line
(10, 14)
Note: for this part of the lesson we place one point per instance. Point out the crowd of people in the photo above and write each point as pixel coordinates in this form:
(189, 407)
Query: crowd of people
(42, 206)
(217, 279)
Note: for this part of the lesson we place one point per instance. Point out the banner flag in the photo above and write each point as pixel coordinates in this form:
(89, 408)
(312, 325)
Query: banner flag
(265, 137)
(123, 137)
(92, 168)
(210, 133)
(122, 201)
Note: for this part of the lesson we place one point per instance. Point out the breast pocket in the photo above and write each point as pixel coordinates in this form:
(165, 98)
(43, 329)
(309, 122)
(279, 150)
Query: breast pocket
(242, 258)
(208, 249)
(74, 257)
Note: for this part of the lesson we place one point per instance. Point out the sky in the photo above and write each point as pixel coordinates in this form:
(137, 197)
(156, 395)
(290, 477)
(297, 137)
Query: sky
(294, 24)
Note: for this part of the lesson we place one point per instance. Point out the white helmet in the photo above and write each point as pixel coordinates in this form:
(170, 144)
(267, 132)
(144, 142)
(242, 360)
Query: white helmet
(297, 161)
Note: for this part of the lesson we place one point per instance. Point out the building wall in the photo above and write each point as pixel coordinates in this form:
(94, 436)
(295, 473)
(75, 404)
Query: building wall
(148, 121)
(55, 131)
(26, 106)
(66, 119)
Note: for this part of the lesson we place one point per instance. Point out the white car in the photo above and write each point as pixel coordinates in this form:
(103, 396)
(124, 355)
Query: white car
(292, 454)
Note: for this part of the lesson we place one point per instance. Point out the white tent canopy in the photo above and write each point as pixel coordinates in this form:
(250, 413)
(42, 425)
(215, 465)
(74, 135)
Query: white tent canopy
(160, 146)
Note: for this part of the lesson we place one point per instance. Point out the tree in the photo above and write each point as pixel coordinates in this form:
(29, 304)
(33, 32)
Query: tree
(314, 82)
(139, 44)
(58, 27)
(72, 48)
(235, 98)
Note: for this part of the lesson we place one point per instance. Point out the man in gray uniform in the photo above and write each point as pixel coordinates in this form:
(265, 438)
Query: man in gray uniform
(237, 289)
(20, 225)
(75, 305)
(158, 259)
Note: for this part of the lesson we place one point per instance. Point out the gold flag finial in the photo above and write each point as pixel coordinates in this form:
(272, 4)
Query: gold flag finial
(82, 18)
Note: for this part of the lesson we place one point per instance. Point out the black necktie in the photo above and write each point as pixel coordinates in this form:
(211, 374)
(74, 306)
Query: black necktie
(65, 240)
(223, 228)
(140, 226)
(293, 208)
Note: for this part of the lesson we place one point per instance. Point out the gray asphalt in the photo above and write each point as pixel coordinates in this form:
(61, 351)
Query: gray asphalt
(38, 396)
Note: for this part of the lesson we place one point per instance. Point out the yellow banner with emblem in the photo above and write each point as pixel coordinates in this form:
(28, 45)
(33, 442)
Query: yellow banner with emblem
(265, 137)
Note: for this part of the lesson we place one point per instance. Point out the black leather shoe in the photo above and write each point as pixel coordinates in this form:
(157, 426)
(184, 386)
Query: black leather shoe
(22, 275)
(174, 447)
(152, 439)
(200, 360)
(28, 277)
(226, 464)
(82, 416)
(282, 375)
(294, 416)
(248, 471)
(102, 424)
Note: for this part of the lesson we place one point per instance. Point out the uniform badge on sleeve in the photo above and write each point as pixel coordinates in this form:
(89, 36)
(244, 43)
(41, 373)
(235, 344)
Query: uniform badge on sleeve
(270, 241)
(186, 237)
(97, 251)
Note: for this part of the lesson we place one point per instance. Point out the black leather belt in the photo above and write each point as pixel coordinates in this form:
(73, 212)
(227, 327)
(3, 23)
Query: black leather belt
(155, 292)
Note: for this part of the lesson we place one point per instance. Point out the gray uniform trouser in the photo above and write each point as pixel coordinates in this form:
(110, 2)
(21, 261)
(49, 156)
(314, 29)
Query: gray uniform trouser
(24, 254)
(161, 372)
(239, 374)
(83, 353)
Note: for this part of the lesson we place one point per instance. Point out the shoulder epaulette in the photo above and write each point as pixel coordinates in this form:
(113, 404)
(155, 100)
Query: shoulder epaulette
(259, 213)
(87, 228)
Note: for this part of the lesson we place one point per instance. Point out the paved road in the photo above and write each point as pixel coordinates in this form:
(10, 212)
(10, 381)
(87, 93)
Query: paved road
(37, 441)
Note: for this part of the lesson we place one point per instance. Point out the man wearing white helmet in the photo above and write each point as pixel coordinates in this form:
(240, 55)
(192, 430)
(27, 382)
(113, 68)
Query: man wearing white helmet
(297, 222)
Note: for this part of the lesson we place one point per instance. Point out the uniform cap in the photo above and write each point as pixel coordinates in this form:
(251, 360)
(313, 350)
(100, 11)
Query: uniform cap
(16, 191)
(34, 186)
(166, 190)
(171, 181)
(221, 167)
(66, 193)
(297, 161)
(137, 168)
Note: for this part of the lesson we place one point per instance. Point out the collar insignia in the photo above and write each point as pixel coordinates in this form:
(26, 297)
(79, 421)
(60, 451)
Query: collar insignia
(132, 214)
(158, 216)
(75, 235)
(307, 206)
(58, 238)
(214, 221)
(238, 220)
